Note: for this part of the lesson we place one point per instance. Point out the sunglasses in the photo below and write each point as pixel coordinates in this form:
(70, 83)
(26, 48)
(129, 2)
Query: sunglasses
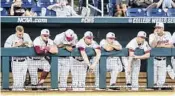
(45, 35)
(111, 38)
(88, 37)
(142, 37)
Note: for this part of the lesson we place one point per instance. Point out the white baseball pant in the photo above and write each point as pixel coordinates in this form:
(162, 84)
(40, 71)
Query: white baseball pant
(127, 75)
(64, 66)
(159, 72)
(19, 69)
(114, 66)
(173, 63)
(135, 69)
(79, 75)
(34, 65)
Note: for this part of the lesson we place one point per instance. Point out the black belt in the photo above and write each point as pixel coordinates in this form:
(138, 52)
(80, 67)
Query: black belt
(22, 60)
(78, 59)
(160, 59)
(36, 59)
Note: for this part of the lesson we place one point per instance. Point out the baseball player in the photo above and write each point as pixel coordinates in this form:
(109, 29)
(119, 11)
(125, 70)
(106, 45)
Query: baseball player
(173, 58)
(66, 40)
(42, 45)
(160, 39)
(18, 64)
(114, 64)
(80, 64)
(134, 61)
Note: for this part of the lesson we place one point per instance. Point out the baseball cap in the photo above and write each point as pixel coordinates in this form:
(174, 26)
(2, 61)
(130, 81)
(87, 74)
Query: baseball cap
(88, 34)
(110, 35)
(69, 34)
(141, 34)
(159, 24)
(45, 32)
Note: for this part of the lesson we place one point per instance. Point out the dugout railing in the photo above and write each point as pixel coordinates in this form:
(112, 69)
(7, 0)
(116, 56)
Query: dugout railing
(7, 53)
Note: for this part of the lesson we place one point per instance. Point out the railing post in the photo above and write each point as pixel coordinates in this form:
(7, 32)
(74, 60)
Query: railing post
(54, 72)
(150, 72)
(102, 8)
(5, 72)
(102, 73)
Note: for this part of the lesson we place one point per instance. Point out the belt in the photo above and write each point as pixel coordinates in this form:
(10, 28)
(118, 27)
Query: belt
(78, 59)
(36, 59)
(160, 59)
(22, 60)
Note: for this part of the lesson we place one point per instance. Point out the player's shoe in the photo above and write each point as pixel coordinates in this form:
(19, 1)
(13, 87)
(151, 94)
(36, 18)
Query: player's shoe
(113, 87)
(99, 89)
(128, 86)
(34, 87)
(134, 89)
(19, 89)
(40, 86)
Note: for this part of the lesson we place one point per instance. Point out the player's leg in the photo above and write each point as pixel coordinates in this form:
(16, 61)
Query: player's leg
(173, 63)
(24, 71)
(18, 82)
(135, 74)
(155, 71)
(161, 73)
(127, 76)
(75, 70)
(33, 69)
(82, 76)
(114, 72)
(45, 66)
(64, 72)
(96, 71)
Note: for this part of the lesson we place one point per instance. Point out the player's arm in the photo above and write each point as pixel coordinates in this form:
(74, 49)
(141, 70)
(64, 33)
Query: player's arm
(28, 41)
(8, 42)
(153, 40)
(145, 56)
(84, 55)
(106, 46)
(98, 55)
(51, 7)
(117, 46)
(39, 49)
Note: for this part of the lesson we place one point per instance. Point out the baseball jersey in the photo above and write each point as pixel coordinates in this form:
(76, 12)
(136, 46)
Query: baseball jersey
(133, 45)
(81, 44)
(173, 37)
(39, 42)
(12, 39)
(165, 39)
(61, 39)
(103, 42)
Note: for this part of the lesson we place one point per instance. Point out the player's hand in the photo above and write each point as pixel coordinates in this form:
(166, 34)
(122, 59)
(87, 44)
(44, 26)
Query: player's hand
(19, 43)
(92, 67)
(69, 48)
(53, 49)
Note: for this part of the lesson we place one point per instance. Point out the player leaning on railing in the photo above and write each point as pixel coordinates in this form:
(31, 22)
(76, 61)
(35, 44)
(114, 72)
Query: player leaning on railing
(113, 64)
(66, 40)
(161, 39)
(134, 61)
(19, 64)
(43, 45)
(80, 64)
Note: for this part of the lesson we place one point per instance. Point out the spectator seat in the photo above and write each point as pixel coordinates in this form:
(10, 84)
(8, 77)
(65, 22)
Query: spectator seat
(156, 13)
(3, 12)
(171, 12)
(135, 12)
(6, 3)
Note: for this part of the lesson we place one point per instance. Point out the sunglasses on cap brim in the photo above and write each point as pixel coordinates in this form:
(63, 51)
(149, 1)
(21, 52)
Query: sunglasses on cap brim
(89, 37)
(142, 37)
(45, 35)
(111, 37)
